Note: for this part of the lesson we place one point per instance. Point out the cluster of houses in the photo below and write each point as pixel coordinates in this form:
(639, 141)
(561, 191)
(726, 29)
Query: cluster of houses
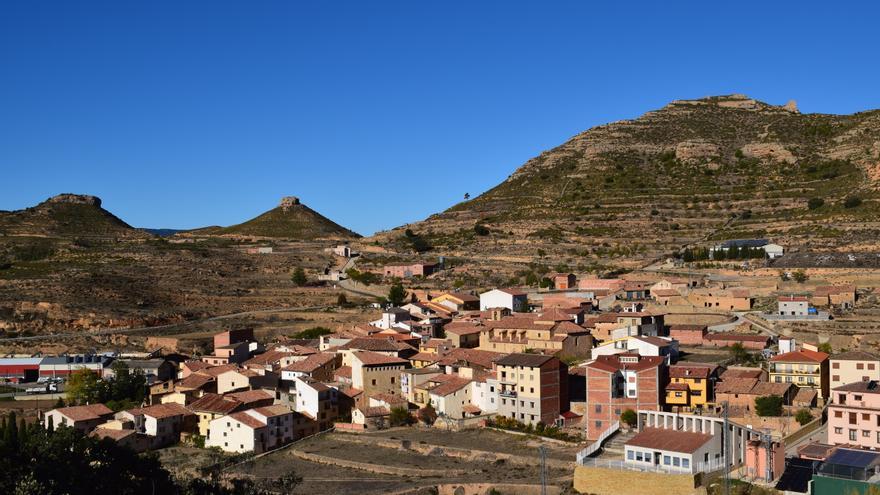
(507, 352)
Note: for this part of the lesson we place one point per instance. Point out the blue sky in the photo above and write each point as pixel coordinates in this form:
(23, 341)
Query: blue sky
(186, 114)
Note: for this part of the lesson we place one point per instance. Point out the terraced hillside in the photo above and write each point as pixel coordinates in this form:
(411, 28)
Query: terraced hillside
(290, 220)
(692, 172)
(66, 215)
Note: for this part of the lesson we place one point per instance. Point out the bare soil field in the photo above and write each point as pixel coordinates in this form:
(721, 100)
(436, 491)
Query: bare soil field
(325, 478)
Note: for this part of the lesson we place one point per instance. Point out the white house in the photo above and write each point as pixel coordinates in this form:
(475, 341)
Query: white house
(451, 397)
(162, 422)
(484, 395)
(643, 345)
(774, 250)
(82, 418)
(793, 306)
(511, 299)
(313, 398)
(255, 430)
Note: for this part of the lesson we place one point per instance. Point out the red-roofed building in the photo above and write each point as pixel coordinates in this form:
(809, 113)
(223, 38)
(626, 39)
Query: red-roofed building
(563, 281)
(512, 299)
(82, 418)
(804, 368)
(619, 382)
(375, 373)
(254, 430)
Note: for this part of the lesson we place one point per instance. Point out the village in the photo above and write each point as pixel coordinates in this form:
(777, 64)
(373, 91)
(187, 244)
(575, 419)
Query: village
(677, 381)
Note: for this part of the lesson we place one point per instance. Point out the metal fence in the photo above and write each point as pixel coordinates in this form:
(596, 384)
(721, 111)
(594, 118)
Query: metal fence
(697, 467)
(595, 446)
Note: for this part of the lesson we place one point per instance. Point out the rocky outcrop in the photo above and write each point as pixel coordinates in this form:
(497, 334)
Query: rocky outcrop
(76, 199)
(773, 152)
(696, 151)
(288, 201)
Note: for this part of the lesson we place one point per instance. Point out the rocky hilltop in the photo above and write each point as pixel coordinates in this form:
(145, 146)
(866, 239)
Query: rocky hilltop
(692, 172)
(289, 220)
(66, 216)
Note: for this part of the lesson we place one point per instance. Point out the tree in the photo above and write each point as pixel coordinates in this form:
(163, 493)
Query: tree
(126, 388)
(427, 414)
(396, 294)
(481, 230)
(84, 387)
(815, 203)
(299, 277)
(770, 405)
(629, 418)
(312, 333)
(467, 196)
(739, 354)
(803, 416)
(783, 275)
(341, 300)
(541, 253)
(825, 347)
(799, 276)
(400, 416)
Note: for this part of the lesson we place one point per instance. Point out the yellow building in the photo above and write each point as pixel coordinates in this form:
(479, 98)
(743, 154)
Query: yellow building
(691, 385)
(806, 368)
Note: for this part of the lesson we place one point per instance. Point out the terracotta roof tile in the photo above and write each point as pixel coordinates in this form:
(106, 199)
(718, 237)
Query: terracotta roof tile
(800, 356)
(671, 440)
(247, 420)
(368, 358)
(85, 413)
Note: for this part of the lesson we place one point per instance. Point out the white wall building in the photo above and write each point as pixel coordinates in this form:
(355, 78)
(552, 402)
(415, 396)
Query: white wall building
(513, 300)
(255, 430)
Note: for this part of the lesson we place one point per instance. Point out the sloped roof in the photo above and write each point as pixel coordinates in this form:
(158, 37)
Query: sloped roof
(869, 387)
(612, 363)
(247, 420)
(214, 403)
(250, 396)
(376, 345)
(368, 358)
(691, 370)
(85, 413)
(450, 386)
(800, 356)
(268, 357)
(481, 358)
(462, 328)
(310, 363)
(855, 356)
(672, 440)
(526, 360)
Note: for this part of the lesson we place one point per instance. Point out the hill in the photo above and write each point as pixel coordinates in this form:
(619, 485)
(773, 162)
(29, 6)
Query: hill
(67, 216)
(289, 220)
(693, 172)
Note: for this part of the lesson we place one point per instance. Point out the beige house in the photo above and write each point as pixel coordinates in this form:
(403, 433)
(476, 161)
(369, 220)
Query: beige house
(254, 430)
(375, 373)
(852, 367)
(82, 418)
(552, 331)
(244, 379)
(531, 390)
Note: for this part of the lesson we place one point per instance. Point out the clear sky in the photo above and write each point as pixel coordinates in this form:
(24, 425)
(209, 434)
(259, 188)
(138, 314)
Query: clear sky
(183, 114)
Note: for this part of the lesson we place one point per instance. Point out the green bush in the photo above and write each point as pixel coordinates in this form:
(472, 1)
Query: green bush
(803, 416)
(852, 202)
(815, 203)
(629, 417)
(770, 405)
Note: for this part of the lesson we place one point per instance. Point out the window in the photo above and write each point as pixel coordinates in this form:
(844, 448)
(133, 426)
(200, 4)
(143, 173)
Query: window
(835, 378)
(838, 414)
(639, 456)
(835, 366)
(866, 433)
(866, 417)
(532, 390)
(852, 435)
(392, 379)
(853, 418)
(838, 431)
(630, 455)
(860, 366)
(374, 381)
(666, 460)
(857, 397)
(676, 461)
(685, 462)
(870, 366)
(598, 408)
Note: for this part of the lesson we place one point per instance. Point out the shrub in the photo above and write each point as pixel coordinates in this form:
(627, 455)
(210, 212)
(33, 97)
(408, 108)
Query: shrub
(428, 415)
(481, 229)
(400, 416)
(803, 416)
(770, 405)
(799, 276)
(815, 203)
(299, 276)
(852, 202)
(629, 417)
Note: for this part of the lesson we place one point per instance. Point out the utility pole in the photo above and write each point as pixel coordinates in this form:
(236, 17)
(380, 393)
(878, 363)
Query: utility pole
(543, 452)
(726, 445)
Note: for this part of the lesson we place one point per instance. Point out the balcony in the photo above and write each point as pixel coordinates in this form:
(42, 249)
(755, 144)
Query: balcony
(507, 393)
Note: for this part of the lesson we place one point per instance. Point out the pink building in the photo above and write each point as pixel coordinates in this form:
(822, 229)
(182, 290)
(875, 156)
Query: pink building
(407, 271)
(854, 415)
(756, 460)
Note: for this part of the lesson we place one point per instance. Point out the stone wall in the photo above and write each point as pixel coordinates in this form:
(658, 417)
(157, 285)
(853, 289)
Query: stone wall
(607, 481)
